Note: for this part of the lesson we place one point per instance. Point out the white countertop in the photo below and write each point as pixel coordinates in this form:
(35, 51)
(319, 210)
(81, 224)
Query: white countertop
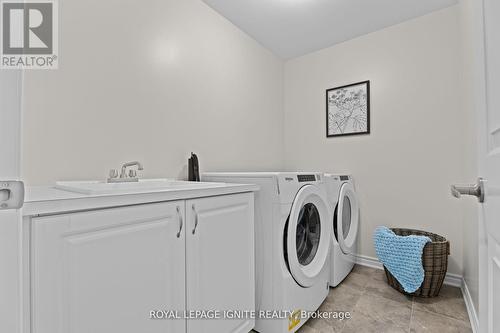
(46, 200)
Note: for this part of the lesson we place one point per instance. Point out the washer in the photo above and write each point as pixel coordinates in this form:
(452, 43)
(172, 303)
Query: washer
(344, 244)
(293, 236)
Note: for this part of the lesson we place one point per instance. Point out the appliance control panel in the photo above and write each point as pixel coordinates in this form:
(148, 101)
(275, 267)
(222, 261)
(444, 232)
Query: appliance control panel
(306, 178)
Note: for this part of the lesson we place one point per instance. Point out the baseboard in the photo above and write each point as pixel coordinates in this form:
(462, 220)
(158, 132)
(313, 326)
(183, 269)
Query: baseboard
(368, 261)
(454, 280)
(471, 309)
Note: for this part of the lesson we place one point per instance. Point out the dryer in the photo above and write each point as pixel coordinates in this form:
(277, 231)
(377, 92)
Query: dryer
(345, 224)
(292, 235)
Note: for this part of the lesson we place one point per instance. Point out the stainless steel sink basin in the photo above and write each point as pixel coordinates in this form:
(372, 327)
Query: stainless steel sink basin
(142, 186)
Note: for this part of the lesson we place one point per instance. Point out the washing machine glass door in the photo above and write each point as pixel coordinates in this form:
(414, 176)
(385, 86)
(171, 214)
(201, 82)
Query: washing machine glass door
(307, 236)
(346, 220)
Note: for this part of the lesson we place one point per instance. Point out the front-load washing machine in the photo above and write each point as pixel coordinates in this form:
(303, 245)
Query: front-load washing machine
(292, 235)
(344, 203)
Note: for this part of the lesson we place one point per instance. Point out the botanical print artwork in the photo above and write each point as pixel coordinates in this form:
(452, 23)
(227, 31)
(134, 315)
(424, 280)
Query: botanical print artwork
(348, 109)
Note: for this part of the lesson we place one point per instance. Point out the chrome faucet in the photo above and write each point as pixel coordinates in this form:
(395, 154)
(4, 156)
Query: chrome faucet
(123, 173)
(124, 178)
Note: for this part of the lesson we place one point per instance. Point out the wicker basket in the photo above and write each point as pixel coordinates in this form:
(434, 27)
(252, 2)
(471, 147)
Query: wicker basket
(434, 260)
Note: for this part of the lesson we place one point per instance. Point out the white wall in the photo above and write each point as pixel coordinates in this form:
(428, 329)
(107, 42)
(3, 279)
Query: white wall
(404, 168)
(170, 77)
(151, 81)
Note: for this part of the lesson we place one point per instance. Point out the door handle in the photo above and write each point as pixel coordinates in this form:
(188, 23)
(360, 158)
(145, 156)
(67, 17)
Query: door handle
(195, 219)
(4, 194)
(180, 221)
(11, 194)
(477, 190)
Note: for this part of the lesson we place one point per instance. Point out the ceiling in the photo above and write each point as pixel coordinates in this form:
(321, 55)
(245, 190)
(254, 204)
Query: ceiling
(291, 28)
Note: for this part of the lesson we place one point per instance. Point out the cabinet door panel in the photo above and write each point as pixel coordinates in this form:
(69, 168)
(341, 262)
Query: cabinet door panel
(104, 271)
(220, 261)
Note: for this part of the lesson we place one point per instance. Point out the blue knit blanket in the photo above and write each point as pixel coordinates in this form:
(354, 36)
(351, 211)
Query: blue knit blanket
(402, 256)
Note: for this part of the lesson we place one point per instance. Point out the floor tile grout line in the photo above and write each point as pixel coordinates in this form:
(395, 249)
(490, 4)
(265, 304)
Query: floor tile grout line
(414, 308)
(424, 309)
(363, 292)
(411, 313)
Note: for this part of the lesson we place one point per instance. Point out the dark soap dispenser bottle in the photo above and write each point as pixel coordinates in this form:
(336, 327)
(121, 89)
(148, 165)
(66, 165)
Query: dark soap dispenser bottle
(193, 168)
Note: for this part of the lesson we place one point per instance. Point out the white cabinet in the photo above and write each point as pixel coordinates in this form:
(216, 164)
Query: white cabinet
(103, 271)
(220, 261)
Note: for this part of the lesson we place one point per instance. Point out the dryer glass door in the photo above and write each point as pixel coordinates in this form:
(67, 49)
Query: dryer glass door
(308, 233)
(307, 236)
(347, 219)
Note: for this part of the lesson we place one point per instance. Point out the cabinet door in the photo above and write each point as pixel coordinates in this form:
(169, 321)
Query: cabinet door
(104, 271)
(220, 261)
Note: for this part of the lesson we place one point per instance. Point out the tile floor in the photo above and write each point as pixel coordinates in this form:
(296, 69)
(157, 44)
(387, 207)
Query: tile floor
(376, 307)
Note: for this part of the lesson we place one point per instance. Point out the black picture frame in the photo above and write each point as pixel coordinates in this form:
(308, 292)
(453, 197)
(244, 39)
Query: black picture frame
(367, 131)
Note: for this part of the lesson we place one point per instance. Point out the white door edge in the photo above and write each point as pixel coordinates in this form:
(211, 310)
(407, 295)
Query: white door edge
(12, 316)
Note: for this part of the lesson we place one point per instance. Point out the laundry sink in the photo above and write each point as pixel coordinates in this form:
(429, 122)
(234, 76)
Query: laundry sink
(143, 185)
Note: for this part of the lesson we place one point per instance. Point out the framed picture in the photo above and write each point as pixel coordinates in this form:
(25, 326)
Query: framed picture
(348, 109)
